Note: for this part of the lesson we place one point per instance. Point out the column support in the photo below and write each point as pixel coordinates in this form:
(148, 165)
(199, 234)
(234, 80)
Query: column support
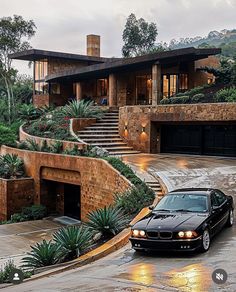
(112, 90)
(78, 91)
(156, 84)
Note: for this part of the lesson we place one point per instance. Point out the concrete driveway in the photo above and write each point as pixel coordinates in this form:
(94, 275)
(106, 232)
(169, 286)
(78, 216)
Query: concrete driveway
(16, 239)
(126, 270)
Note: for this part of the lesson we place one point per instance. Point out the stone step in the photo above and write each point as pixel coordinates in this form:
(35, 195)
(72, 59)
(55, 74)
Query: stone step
(101, 127)
(105, 136)
(100, 132)
(107, 145)
(107, 123)
(95, 140)
(119, 148)
(120, 153)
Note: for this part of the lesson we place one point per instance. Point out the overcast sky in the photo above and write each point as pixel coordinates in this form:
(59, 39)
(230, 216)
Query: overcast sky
(62, 25)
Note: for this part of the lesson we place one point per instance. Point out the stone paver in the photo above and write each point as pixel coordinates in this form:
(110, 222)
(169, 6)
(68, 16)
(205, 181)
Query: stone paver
(126, 270)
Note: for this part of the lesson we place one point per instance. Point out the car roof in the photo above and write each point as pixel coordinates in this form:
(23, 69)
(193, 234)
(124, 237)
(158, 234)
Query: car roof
(195, 191)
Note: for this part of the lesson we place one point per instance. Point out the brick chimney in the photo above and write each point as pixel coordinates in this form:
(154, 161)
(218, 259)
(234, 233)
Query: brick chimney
(93, 45)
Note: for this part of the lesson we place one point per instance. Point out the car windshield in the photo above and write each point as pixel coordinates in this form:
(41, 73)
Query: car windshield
(183, 202)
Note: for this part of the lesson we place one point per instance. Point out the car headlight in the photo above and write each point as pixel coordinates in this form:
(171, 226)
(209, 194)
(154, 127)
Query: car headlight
(138, 233)
(187, 234)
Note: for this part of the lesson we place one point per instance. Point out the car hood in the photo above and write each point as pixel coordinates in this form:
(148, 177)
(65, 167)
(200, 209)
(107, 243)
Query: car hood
(171, 221)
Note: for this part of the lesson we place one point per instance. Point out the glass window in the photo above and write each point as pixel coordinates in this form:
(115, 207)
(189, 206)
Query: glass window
(40, 72)
(183, 202)
(218, 198)
(144, 89)
(165, 86)
(183, 82)
(102, 87)
(55, 88)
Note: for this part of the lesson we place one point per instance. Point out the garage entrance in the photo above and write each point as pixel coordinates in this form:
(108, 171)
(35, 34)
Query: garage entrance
(210, 139)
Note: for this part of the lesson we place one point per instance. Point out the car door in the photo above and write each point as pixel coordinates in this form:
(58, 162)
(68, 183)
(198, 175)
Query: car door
(218, 211)
(223, 206)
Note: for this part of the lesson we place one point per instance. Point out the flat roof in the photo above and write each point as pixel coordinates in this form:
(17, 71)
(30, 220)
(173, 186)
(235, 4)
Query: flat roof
(34, 55)
(125, 63)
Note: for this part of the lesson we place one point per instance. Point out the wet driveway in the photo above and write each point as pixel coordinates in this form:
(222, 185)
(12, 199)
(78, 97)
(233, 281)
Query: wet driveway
(126, 270)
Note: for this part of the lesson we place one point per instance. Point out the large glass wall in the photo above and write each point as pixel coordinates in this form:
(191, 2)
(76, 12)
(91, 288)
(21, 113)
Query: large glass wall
(102, 87)
(174, 83)
(144, 89)
(40, 72)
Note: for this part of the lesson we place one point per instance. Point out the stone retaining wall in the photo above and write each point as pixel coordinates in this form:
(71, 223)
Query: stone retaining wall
(137, 119)
(99, 181)
(15, 194)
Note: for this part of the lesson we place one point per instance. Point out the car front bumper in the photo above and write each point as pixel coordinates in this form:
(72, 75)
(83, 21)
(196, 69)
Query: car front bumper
(172, 244)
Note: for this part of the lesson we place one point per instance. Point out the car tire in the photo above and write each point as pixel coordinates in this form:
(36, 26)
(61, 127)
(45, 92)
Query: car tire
(206, 241)
(230, 220)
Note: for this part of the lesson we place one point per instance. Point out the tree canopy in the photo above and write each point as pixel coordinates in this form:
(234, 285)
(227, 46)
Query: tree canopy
(15, 33)
(139, 37)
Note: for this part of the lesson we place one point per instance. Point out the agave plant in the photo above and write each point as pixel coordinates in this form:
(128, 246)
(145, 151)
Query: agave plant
(33, 145)
(45, 253)
(82, 109)
(28, 112)
(108, 220)
(11, 166)
(73, 240)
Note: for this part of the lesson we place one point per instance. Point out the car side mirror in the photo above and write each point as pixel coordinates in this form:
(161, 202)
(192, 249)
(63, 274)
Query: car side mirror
(151, 208)
(214, 209)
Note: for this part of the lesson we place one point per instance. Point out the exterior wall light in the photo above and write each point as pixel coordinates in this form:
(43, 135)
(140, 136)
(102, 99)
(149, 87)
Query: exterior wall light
(143, 129)
(125, 127)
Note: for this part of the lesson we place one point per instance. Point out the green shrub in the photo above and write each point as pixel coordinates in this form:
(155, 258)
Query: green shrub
(7, 269)
(108, 221)
(197, 97)
(45, 253)
(194, 91)
(134, 200)
(57, 147)
(18, 217)
(7, 136)
(28, 112)
(226, 95)
(82, 109)
(11, 166)
(35, 212)
(165, 101)
(72, 240)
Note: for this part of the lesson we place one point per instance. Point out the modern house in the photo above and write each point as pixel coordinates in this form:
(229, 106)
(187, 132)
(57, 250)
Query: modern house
(134, 87)
(144, 80)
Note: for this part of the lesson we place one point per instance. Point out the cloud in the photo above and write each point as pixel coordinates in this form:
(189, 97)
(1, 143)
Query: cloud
(63, 25)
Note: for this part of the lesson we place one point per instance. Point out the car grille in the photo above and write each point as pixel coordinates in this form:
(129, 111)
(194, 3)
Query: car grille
(153, 234)
(159, 235)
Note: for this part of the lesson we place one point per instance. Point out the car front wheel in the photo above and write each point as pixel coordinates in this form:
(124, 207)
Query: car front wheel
(230, 220)
(206, 241)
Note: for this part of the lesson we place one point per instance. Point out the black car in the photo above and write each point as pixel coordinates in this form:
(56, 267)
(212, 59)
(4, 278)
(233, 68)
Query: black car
(185, 219)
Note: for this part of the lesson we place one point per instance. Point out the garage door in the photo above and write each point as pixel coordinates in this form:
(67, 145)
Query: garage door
(199, 139)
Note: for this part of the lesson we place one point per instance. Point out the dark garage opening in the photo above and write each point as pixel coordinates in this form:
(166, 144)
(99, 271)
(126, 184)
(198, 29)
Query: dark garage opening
(61, 198)
(211, 139)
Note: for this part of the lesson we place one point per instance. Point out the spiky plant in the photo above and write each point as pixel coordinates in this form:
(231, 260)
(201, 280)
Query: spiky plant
(33, 145)
(73, 240)
(108, 220)
(82, 109)
(45, 253)
(56, 147)
(11, 166)
(28, 112)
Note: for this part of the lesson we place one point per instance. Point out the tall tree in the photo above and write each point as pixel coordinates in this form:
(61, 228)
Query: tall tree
(139, 36)
(15, 33)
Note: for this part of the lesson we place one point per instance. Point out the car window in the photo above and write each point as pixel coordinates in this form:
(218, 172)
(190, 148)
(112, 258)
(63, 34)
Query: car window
(217, 199)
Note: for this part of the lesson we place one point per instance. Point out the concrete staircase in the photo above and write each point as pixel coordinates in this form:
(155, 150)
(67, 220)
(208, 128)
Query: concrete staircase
(105, 134)
(156, 187)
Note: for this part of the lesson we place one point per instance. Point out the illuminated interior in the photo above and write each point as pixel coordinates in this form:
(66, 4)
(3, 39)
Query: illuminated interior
(174, 83)
(144, 89)
(40, 72)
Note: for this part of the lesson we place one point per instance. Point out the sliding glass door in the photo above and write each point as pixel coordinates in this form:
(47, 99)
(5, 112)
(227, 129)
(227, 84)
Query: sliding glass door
(174, 83)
